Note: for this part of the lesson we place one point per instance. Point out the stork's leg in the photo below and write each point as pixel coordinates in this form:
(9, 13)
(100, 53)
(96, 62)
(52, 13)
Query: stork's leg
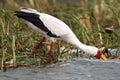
(50, 53)
(38, 45)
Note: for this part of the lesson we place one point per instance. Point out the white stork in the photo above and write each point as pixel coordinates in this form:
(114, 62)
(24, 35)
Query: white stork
(52, 28)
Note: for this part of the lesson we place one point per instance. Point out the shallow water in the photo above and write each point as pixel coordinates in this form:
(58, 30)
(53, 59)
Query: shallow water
(77, 69)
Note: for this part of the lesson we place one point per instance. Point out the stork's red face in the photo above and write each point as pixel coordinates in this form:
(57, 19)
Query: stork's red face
(100, 55)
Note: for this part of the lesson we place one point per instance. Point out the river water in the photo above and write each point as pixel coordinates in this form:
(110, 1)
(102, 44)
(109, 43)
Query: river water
(76, 69)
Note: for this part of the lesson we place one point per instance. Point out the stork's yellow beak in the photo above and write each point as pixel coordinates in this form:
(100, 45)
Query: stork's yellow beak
(103, 57)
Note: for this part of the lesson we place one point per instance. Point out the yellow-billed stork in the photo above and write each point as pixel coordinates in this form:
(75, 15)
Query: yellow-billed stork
(53, 28)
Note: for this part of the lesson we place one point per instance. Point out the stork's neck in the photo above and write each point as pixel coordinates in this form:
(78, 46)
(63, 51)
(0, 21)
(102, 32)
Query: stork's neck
(86, 48)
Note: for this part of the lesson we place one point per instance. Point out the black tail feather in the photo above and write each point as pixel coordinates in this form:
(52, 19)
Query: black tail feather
(23, 15)
(19, 13)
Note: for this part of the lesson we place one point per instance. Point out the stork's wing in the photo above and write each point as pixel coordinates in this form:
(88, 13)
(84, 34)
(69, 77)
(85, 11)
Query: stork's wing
(46, 23)
(55, 25)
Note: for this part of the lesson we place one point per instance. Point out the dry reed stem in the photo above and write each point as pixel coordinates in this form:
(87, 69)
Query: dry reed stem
(3, 28)
(14, 55)
(3, 65)
(32, 3)
(101, 40)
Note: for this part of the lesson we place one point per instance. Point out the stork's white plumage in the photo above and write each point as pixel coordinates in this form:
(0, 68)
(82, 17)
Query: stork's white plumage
(53, 28)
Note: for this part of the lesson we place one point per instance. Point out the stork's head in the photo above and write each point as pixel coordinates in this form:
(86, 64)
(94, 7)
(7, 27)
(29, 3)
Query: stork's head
(100, 55)
(94, 51)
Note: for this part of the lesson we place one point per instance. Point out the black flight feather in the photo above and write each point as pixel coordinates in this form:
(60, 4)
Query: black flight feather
(35, 20)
